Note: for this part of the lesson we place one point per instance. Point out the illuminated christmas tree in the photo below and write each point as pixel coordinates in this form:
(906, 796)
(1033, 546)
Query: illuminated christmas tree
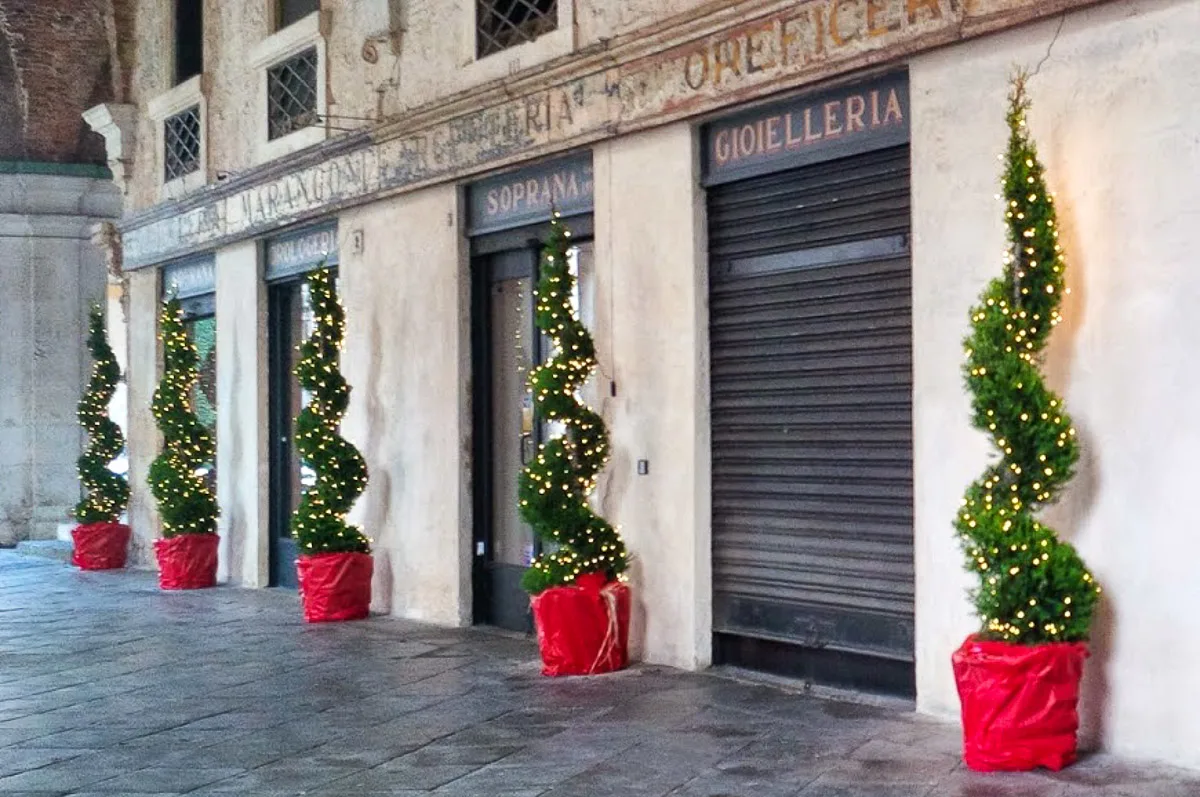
(185, 502)
(319, 522)
(107, 493)
(1033, 588)
(554, 488)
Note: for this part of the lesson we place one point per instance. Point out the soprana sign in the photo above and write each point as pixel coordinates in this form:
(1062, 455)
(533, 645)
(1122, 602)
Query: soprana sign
(532, 194)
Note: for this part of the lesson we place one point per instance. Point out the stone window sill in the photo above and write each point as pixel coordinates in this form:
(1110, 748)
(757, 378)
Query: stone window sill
(191, 92)
(558, 42)
(308, 32)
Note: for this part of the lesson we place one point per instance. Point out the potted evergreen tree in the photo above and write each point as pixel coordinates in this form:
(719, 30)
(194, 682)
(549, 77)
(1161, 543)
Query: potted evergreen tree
(187, 552)
(580, 607)
(100, 539)
(1018, 677)
(334, 565)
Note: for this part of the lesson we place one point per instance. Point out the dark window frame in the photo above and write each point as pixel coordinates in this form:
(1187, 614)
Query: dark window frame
(289, 12)
(183, 145)
(283, 297)
(503, 24)
(293, 87)
(188, 40)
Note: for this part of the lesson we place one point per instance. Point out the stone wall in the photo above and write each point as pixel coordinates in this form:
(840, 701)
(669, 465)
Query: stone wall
(408, 361)
(57, 58)
(51, 274)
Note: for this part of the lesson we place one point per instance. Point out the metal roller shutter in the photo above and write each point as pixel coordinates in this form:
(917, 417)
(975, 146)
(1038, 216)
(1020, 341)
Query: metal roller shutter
(811, 334)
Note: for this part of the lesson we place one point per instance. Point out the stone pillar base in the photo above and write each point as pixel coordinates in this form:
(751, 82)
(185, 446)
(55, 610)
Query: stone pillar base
(50, 274)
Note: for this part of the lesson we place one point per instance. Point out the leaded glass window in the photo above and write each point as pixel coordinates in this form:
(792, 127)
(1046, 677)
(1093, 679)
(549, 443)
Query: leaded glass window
(181, 143)
(292, 94)
(500, 24)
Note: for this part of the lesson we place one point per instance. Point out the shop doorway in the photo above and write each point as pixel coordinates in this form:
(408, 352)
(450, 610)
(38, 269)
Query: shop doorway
(507, 347)
(508, 219)
(291, 321)
(811, 338)
(193, 283)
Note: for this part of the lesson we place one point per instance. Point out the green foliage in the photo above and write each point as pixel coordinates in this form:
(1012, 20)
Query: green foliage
(107, 493)
(319, 522)
(1033, 588)
(185, 501)
(554, 488)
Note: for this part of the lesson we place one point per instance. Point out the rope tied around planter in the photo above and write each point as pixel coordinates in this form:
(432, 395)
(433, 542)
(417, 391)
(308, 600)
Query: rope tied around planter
(612, 633)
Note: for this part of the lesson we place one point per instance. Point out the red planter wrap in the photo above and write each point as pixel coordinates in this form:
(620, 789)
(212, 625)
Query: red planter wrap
(1018, 704)
(335, 586)
(188, 561)
(583, 629)
(100, 546)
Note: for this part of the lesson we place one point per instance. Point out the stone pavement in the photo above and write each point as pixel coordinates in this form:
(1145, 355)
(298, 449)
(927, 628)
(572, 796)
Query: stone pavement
(109, 686)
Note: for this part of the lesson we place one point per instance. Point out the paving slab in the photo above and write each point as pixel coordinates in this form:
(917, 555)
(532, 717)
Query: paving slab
(109, 686)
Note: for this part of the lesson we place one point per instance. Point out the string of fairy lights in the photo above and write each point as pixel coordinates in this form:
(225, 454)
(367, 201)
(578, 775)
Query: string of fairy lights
(319, 522)
(553, 489)
(105, 493)
(1033, 587)
(185, 500)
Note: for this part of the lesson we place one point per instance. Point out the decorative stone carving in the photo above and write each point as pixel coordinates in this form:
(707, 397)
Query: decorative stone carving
(386, 26)
(118, 124)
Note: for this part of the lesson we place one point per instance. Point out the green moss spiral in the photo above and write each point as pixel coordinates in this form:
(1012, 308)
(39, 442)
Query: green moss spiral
(185, 501)
(319, 522)
(553, 489)
(105, 493)
(1033, 588)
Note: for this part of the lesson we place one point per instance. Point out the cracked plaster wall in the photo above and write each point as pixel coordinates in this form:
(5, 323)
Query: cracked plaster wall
(435, 60)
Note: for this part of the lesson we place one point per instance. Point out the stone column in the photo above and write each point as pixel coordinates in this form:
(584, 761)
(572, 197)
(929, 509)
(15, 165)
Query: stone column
(142, 437)
(50, 272)
(242, 440)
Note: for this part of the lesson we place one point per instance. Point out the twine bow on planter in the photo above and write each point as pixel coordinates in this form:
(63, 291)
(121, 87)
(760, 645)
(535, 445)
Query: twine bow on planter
(574, 579)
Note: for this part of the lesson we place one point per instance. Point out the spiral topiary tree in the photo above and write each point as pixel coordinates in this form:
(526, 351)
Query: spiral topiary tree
(319, 522)
(105, 493)
(185, 502)
(553, 490)
(1033, 588)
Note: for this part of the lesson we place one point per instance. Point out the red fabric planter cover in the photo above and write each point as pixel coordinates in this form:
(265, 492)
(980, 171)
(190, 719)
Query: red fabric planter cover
(188, 561)
(583, 629)
(335, 586)
(100, 546)
(1018, 703)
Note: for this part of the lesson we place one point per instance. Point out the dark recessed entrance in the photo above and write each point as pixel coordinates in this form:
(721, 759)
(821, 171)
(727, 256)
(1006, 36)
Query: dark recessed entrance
(289, 321)
(509, 221)
(810, 326)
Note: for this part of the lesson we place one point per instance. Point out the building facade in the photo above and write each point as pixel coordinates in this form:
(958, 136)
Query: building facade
(783, 212)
